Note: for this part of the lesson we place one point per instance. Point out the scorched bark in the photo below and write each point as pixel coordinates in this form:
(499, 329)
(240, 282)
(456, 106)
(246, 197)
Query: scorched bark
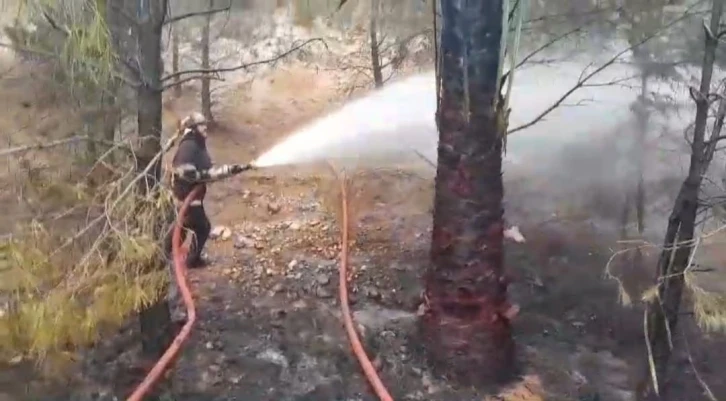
(465, 327)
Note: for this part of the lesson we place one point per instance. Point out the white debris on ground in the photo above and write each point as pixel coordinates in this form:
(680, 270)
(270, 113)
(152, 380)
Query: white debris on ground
(514, 234)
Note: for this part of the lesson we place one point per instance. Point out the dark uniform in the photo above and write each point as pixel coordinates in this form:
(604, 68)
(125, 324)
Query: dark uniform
(192, 166)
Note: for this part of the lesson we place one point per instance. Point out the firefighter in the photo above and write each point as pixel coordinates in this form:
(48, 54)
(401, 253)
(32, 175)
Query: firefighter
(193, 166)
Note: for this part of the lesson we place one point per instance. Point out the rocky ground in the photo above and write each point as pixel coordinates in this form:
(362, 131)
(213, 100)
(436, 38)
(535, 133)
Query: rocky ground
(269, 317)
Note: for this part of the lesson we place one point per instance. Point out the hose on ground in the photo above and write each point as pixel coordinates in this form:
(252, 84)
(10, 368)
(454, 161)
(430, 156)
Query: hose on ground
(368, 369)
(180, 272)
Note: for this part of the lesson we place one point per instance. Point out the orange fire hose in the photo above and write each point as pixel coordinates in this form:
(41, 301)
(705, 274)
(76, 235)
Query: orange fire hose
(180, 274)
(360, 353)
(180, 270)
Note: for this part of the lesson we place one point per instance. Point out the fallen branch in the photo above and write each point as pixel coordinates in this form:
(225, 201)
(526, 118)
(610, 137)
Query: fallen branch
(241, 66)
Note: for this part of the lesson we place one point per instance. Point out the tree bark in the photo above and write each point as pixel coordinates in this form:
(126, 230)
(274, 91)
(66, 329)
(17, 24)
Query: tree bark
(206, 81)
(662, 312)
(155, 321)
(375, 54)
(466, 325)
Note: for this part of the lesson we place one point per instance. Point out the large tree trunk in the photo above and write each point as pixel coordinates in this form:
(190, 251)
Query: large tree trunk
(156, 329)
(375, 50)
(465, 325)
(662, 312)
(206, 81)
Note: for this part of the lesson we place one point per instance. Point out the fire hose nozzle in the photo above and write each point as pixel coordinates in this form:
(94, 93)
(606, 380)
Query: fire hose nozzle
(240, 168)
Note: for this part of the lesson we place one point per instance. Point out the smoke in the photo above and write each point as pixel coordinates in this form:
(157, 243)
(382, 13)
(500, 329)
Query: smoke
(579, 157)
(583, 160)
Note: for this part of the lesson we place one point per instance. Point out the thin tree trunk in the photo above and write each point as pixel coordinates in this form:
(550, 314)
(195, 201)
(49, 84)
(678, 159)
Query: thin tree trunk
(373, 33)
(175, 62)
(662, 312)
(206, 81)
(110, 119)
(638, 185)
(466, 325)
(642, 120)
(155, 321)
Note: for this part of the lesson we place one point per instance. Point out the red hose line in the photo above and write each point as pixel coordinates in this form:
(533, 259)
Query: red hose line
(358, 350)
(180, 270)
(180, 274)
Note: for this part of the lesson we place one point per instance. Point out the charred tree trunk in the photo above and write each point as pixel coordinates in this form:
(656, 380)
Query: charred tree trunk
(466, 325)
(662, 312)
(156, 328)
(206, 81)
(375, 49)
(175, 62)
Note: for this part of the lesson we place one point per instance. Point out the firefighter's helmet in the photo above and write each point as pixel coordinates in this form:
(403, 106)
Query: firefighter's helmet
(193, 120)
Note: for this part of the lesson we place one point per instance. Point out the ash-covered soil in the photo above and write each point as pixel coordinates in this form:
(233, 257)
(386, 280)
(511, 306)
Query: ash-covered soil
(269, 320)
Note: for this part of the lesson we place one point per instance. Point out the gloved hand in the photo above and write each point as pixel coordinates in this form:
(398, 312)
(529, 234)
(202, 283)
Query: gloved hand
(238, 168)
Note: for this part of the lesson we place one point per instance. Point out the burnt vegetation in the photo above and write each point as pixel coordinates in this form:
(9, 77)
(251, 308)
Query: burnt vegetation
(94, 89)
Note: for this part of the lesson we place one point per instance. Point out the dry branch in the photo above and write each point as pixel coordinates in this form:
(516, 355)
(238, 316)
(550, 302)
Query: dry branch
(583, 80)
(542, 48)
(126, 191)
(58, 142)
(202, 72)
(198, 14)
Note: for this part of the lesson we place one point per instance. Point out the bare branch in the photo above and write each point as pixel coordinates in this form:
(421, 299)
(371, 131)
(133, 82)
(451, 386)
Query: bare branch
(52, 144)
(546, 45)
(618, 81)
(571, 15)
(706, 388)
(583, 80)
(247, 65)
(55, 25)
(424, 158)
(127, 190)
(198, 14)
(341, 4)
(191, 78)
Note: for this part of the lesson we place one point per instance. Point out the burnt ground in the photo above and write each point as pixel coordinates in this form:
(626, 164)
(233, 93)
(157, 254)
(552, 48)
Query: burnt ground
(269, 319)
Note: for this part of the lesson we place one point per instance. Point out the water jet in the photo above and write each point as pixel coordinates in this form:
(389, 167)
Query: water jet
(397, 122)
